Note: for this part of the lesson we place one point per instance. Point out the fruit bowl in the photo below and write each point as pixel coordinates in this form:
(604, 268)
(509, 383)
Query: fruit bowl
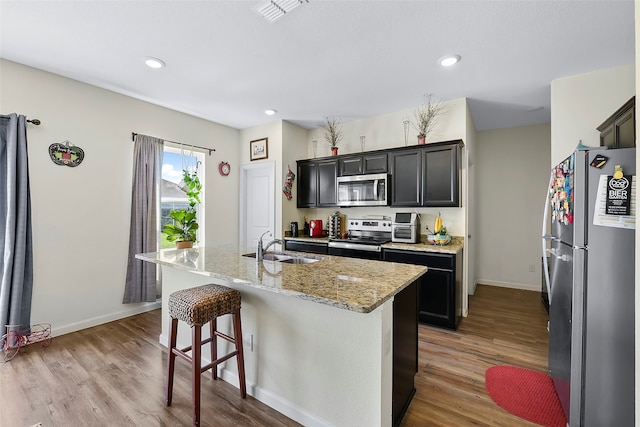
(439, 239)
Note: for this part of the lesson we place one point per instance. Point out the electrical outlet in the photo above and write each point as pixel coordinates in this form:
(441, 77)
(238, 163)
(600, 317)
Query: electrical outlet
(532, 268)
(247, 341)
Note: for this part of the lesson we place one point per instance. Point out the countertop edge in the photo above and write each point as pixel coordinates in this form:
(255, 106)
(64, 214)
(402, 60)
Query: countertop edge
(317, 299)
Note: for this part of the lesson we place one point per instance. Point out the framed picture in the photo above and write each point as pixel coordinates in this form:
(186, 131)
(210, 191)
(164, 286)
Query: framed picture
(258, 149)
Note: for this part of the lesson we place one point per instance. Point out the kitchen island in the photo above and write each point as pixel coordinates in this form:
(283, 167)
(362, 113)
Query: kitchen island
(331, 342)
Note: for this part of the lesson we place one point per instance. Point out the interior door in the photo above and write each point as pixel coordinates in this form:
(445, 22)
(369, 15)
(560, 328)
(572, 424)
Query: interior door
(257, 202)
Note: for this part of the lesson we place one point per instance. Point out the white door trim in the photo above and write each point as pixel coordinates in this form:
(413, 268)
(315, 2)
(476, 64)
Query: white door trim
(269, 167)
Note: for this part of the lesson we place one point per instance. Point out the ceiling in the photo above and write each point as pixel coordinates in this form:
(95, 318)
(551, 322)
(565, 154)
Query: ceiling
(343, 59)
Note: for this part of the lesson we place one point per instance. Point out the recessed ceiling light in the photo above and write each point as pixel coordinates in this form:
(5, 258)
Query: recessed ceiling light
(449, 60)
(270, 112)
(154, 62)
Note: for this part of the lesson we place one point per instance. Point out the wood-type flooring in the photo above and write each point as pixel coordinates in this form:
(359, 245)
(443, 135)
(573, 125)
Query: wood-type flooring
(113, 374)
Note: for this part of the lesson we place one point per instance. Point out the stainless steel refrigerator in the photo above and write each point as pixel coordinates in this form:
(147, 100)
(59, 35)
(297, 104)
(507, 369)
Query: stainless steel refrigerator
(591, 274)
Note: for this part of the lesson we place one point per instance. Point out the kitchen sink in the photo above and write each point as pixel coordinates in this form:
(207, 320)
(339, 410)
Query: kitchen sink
(286, 258)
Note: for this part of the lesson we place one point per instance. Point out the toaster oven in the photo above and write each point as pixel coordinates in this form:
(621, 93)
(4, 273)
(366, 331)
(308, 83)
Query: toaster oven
(405, 228)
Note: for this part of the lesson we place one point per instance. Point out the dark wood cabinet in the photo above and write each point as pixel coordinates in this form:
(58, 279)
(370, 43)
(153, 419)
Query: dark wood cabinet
(423, 175)
(307, 184)
(619, 130)
(316, 183)
(440, 176)
(306, 246)
(363, 164)
(374, 163)
(439, 290)
(406, 182)
(327, 172)
(405, 350)
(350, 165)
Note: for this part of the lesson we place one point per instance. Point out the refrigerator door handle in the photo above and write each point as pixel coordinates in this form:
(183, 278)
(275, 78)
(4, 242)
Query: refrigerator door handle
(554, 252)
(545, 237)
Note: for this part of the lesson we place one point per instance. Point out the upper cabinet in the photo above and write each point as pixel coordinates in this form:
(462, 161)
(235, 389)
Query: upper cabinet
(441, 175)
(619, 130)
(405, 167)
(317, 183)
(424, 175)
(363, 164)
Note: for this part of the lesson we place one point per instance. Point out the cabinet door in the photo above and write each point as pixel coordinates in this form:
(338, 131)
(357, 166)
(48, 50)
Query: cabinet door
(327, 173)
(436, 298)
(405, 168)
(307, 184)
(625, 128)
(351, 165)
(440, 180)
(374, 163)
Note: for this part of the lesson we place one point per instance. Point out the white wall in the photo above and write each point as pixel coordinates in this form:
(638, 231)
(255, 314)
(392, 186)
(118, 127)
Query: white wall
(511, 181)
(581, 103)
(81, 214)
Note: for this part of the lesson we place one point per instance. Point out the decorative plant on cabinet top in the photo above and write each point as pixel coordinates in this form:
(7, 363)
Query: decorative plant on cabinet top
(426, 117)
(185, 223)
(333, 133)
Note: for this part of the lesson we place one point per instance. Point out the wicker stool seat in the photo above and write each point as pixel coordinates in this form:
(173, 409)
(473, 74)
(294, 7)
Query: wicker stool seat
(197, 307)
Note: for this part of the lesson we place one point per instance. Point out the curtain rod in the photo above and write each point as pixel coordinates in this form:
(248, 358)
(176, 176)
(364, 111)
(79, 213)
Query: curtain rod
(35, 122)
(133, 138)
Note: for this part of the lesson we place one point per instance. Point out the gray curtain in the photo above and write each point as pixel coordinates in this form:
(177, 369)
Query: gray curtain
(140, 285)
(16, 260)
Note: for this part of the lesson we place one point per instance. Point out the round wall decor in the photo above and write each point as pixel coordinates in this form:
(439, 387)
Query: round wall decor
(224, 168)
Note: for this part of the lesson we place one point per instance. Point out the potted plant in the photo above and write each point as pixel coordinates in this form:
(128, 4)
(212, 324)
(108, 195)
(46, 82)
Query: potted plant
(185, 224)
(333, 134)
(426, 117)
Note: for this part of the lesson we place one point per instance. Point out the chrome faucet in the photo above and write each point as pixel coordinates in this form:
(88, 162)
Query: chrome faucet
(261, 250)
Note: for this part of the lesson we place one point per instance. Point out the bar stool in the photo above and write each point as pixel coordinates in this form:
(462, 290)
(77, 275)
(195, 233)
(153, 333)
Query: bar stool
(197, 307)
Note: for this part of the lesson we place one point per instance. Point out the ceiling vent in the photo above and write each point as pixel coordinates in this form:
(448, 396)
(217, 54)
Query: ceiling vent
(272, 10)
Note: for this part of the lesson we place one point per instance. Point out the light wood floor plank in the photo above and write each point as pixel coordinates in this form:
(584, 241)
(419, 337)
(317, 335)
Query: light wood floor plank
(113, 374)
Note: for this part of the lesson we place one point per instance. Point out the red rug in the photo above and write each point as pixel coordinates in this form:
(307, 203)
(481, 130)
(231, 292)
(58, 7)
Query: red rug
(528, 394)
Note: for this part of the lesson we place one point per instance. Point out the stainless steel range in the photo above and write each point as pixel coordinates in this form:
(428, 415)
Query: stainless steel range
(365, 238)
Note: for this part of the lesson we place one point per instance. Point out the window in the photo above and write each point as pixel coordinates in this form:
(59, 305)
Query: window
(176, 160)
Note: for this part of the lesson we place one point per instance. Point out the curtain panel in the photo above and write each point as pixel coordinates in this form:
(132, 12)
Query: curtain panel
(140, 285)
(16, 260)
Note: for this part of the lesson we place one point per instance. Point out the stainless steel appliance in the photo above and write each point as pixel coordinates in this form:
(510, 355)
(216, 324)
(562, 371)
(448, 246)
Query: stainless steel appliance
(365, 238)
(363, 190)
(591, 288)
(406, 228)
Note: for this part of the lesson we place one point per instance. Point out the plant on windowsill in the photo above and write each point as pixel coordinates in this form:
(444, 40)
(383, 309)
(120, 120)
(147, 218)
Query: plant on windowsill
(333, 133)
(185, 222)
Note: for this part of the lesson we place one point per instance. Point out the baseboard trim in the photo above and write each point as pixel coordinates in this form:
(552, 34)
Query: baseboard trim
(523, 286)
(99, 320)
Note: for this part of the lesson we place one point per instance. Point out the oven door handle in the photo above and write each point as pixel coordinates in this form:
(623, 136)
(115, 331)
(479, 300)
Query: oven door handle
(355, 246)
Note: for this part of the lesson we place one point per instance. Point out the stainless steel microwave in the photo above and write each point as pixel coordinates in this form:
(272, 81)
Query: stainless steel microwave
(363, 190)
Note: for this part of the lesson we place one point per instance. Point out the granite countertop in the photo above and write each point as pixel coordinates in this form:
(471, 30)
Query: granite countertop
(455, 246)
(346, 283)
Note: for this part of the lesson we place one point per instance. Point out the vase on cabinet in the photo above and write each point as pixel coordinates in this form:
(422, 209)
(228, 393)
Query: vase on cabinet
(334, 151)
(421, 139)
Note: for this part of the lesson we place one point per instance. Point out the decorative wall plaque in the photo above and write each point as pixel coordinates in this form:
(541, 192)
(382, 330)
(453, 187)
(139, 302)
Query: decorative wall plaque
(66, 154)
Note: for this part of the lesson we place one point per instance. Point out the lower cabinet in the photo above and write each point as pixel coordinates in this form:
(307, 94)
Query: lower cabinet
(311, 247)
(439, 290)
